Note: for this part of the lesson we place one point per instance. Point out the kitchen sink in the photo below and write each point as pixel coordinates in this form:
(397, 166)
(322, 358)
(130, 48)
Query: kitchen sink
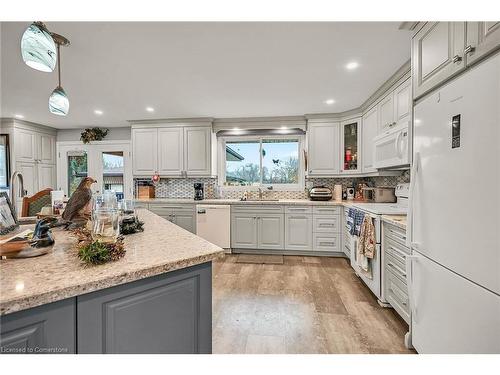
(260, 200)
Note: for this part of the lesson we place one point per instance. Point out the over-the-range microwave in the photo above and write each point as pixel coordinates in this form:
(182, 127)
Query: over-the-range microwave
(391, 147)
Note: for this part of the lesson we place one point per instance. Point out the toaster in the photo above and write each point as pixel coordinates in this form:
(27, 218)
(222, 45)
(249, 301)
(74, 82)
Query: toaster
(320, 193)
(379, 194)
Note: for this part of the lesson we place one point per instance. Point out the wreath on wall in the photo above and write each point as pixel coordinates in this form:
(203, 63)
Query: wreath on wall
(93, 134)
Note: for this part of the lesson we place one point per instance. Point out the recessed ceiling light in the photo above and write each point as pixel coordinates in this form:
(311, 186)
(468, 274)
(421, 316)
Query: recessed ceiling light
(19, 116)
(98, 112)
(329, 101)
(150, 109)
(352, 65)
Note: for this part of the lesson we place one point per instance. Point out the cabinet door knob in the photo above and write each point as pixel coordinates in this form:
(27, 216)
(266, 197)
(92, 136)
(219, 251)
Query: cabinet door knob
(456, 59)
(468, 49)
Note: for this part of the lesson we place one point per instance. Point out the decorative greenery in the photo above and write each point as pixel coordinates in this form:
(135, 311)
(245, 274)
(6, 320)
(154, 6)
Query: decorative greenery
(132, 225)
(97, 252)
(93, 134)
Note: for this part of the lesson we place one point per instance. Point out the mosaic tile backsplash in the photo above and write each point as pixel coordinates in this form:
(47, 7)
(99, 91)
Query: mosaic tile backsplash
(183, 187)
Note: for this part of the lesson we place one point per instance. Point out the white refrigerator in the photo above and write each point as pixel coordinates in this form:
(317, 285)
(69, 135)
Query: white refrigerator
(454, 216)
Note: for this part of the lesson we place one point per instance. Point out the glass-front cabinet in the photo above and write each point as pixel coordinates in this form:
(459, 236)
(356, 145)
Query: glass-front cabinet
(350, 147)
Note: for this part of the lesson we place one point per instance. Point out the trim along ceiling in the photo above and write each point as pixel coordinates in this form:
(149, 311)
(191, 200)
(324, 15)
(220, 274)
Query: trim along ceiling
(202, 69)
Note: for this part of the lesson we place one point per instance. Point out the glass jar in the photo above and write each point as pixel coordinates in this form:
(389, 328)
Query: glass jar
(105, 225)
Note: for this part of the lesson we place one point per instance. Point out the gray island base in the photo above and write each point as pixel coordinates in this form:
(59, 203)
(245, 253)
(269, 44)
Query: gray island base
(168, 313)
(156, 299)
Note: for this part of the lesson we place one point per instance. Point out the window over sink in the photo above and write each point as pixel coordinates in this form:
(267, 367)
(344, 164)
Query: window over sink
(261, 161)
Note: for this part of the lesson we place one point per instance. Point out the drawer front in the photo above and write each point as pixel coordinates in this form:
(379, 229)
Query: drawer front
(397, 296)
(322, 224)
(395, 233)
(161, 211)
(326, 242)
(252, 208)
(298, 209)
(347, 251)
(396, 267)
(327, 210)
(396, 251)
(171, 207)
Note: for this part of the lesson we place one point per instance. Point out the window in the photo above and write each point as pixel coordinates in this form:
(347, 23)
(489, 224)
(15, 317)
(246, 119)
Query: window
(257, 161)
(4, 160)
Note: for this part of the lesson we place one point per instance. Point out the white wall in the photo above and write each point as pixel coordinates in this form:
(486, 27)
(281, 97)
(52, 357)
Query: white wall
(114, 134)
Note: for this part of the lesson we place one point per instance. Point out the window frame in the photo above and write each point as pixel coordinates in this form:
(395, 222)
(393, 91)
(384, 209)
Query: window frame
(7, 161)
(278, 187)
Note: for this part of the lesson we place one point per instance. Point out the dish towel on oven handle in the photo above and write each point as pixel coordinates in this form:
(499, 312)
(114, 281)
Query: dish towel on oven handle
(354, 221)
(366, 246)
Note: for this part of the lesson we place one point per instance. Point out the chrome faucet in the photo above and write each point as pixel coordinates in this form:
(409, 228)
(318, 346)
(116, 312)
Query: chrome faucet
(22, 192)
(260, 193)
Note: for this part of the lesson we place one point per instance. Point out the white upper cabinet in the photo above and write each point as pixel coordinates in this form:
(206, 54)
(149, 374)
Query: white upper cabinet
(370, 130)
(402, 103)
(197, 151)
(482, 38)
(386, 113)
(350, 146)
(323, 149)
(25, 145)
(145, 151)
(46, 148)
(46, 174)
(170, 145)
(172, 150)
(437, 54)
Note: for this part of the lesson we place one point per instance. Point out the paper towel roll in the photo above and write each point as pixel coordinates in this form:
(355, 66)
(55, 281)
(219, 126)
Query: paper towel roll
(337, 192)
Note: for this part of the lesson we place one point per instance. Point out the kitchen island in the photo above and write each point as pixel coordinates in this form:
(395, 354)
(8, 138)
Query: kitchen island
(156, 299)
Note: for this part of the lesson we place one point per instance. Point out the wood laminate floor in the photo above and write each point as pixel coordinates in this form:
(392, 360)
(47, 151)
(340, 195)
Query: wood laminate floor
(306, 305)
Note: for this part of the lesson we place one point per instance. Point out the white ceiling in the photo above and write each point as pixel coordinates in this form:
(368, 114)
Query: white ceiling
(201, 69)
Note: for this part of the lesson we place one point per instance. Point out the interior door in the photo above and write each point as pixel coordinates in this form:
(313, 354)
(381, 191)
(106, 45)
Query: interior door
(113, 169)
(73, 166)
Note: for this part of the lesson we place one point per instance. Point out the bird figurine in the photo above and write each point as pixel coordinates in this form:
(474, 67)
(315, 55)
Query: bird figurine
(79, 207)
(42, 235)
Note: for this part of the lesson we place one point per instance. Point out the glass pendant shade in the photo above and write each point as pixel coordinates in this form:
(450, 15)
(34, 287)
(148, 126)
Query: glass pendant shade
(38, 48)
(58, 102)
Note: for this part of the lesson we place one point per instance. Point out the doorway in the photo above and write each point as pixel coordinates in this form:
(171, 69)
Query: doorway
(108, 162)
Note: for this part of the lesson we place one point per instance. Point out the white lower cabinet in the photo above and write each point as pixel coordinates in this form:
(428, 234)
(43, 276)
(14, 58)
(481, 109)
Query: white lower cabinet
(327, 242)
(298, 232)
(181, 215)
(395, 285)
(270, 232)
(304, 229)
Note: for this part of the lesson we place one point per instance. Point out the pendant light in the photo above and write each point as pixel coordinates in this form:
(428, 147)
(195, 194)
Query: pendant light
(58, 101)
(38, 48)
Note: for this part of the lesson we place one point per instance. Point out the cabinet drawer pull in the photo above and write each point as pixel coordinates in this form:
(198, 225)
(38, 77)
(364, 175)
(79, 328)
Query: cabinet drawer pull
(401, 298)
(469, 49)
(326, 225)
(322, 243)
(456, 59)
(397, 253)
(397, 234)
(397, 269)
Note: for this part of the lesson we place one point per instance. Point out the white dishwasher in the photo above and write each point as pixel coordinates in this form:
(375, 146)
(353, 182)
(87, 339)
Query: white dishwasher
(213, 223)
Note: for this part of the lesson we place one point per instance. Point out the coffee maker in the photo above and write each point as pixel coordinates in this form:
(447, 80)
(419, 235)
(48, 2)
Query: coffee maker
(198, 191)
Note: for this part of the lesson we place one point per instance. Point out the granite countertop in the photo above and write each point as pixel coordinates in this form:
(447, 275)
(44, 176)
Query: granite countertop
(397, 220)
(162, 247)
(289, 202)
